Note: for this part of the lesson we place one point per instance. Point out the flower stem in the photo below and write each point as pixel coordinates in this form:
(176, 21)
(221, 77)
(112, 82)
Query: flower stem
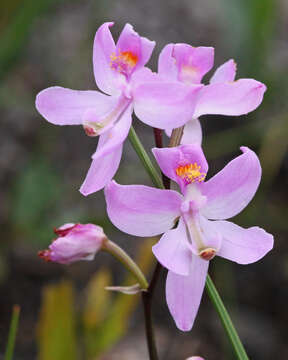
(225, 319)
(159, 144)
(143, 156)
(158, 137)
(149, 329)
(125, 259)
(210, 287)
(176, 136)
(12, 333)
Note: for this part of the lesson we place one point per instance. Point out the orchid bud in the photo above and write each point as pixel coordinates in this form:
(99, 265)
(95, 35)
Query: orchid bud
(74, 242)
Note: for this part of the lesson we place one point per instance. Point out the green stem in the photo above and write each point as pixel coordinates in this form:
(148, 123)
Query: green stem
(143, 156)
(225, 319)
(210, 287)
(12, 333)
(125, 259)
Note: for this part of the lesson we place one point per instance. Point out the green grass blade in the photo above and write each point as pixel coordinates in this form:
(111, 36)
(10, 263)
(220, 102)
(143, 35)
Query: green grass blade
(12, 333)
(225, 320)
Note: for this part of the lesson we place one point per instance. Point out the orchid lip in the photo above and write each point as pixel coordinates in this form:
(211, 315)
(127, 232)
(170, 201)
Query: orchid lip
(124, 62)
(190, 173)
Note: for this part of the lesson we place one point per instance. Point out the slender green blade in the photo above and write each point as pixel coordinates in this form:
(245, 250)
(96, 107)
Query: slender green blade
(12, 333)
(225, 319)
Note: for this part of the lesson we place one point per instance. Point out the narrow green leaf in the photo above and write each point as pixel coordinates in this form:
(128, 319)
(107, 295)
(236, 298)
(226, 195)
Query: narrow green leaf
(226, 320)
(12, 333)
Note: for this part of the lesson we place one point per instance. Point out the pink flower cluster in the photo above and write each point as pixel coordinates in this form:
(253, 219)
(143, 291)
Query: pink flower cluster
(194, 221)
(166, 100)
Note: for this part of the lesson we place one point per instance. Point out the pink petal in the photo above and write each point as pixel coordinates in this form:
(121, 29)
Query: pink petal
(169, 132)
(186, 63)
(169, 159)
(115, 136)
(234, 98)
(101, 171)
(172, 250)
(98, 124)
(231, 190)
(225, 72)
(243, 246)
(166, 63)
(61, 106)
(142, 75)
(142, 210)
(165, 105)
(192, 133)
(183, 293)
(193, 62)
(104, 47)
(129, 40)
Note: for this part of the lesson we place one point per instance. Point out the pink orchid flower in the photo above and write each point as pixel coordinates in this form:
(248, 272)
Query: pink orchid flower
(120, 73)
(223, 95)
(74, 242)
(201, 212)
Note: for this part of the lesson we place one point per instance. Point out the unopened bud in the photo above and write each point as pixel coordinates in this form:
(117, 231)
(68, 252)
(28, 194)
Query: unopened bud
(74, 242)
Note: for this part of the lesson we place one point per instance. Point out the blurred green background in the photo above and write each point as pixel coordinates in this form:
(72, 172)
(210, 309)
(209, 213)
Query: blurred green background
(66, 314)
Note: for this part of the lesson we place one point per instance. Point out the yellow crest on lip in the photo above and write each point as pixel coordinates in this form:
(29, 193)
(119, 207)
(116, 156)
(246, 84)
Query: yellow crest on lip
(190, 173)
(129, 58)
(123, 62)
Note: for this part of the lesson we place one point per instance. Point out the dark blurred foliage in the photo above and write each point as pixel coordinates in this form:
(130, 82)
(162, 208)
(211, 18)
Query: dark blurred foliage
(49, 42)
